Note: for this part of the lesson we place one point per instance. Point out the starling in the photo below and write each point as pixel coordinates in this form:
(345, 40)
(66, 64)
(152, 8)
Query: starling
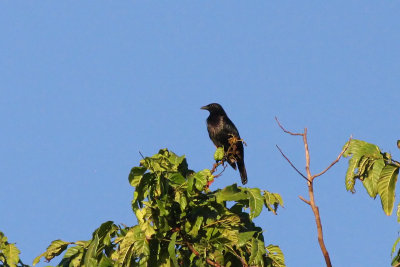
(223, 133)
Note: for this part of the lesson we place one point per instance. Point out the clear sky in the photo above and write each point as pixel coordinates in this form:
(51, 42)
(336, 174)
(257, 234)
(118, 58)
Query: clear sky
(86, 85)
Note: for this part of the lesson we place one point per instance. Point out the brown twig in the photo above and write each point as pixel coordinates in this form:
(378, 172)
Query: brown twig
(214, 169)
(219, 174)
(310, 178)
(286, 131)
(336, 160)
(305, 200)
(291, 164)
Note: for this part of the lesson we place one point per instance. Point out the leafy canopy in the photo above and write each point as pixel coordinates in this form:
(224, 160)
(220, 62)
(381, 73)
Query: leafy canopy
(180, 223)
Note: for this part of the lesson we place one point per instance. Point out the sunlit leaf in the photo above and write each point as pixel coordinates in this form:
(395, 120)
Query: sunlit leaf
(11, 253)
(386, 187)
(256, 201)
(196, 226)
(350, 176)
(276, 255)
(177, 179)
(395, 245)
(201, 179)
(398, 213)
(244, 237)
(371, 181)
(171, 249)
(219, 154)
(56, 248)
(136, 175)
(272, 201)
(231, 193)
(126, 245)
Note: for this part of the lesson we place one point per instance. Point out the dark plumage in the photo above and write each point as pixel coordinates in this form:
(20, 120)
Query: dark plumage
(221, 129)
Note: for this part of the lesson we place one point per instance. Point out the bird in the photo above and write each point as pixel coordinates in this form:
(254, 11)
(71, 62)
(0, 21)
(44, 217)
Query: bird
(221, 129)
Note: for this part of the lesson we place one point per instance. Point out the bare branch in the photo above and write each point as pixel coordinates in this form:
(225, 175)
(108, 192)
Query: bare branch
(286, 131)
(305, 200)
(335, 161)
(219, 174)
(291, 164)
(310, 184)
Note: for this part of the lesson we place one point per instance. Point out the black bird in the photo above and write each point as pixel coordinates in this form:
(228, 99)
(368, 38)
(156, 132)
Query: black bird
(221, 129)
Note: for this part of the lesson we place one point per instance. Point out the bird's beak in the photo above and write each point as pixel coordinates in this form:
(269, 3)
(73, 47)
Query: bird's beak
(205, 107)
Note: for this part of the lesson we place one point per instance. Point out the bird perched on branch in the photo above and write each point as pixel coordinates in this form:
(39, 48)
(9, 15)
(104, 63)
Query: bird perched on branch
(223, 133)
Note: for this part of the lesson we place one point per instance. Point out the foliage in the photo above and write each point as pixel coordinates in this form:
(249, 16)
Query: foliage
(378, 173)
(180, 223)
(9, 253)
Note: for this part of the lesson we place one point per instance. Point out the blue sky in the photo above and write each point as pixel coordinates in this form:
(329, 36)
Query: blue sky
(86, 85)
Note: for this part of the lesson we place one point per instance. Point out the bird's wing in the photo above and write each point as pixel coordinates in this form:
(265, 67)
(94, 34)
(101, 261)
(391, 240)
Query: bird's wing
(230, 128)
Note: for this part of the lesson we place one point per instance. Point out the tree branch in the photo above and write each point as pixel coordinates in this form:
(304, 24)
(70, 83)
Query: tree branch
(310, 178)
(286, 131)
(305, 200)
(336, 160)
(291, 164)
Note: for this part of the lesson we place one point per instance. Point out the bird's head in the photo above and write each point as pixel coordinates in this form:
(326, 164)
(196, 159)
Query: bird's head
(214, 108)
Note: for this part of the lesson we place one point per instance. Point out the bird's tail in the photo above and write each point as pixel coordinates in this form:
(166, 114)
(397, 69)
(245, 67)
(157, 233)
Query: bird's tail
(242, 170)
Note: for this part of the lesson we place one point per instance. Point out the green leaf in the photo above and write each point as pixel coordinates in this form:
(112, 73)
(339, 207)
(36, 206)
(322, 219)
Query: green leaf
(3, 239)
(196, 226)
(256, 202)
(175, 160)
(276, 255)
(56, 248)
(386, 187)
(100, 238)
(394, 246)
(350, 176)
(91, 252)
(398, 144)
(272, 201)
(136, 175)
(171, 249)
(363, 156)
(181, 199)
(231, 193)
(359, 148)
(73, 256)
(201, 179)
(177, 179)
(257, 252)
(11, 253)
(141, 248)
(371, 181)
(126, 244)
(362, 166)
(245, 237)
(105, 262)
(219, 154)
(398, 213)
